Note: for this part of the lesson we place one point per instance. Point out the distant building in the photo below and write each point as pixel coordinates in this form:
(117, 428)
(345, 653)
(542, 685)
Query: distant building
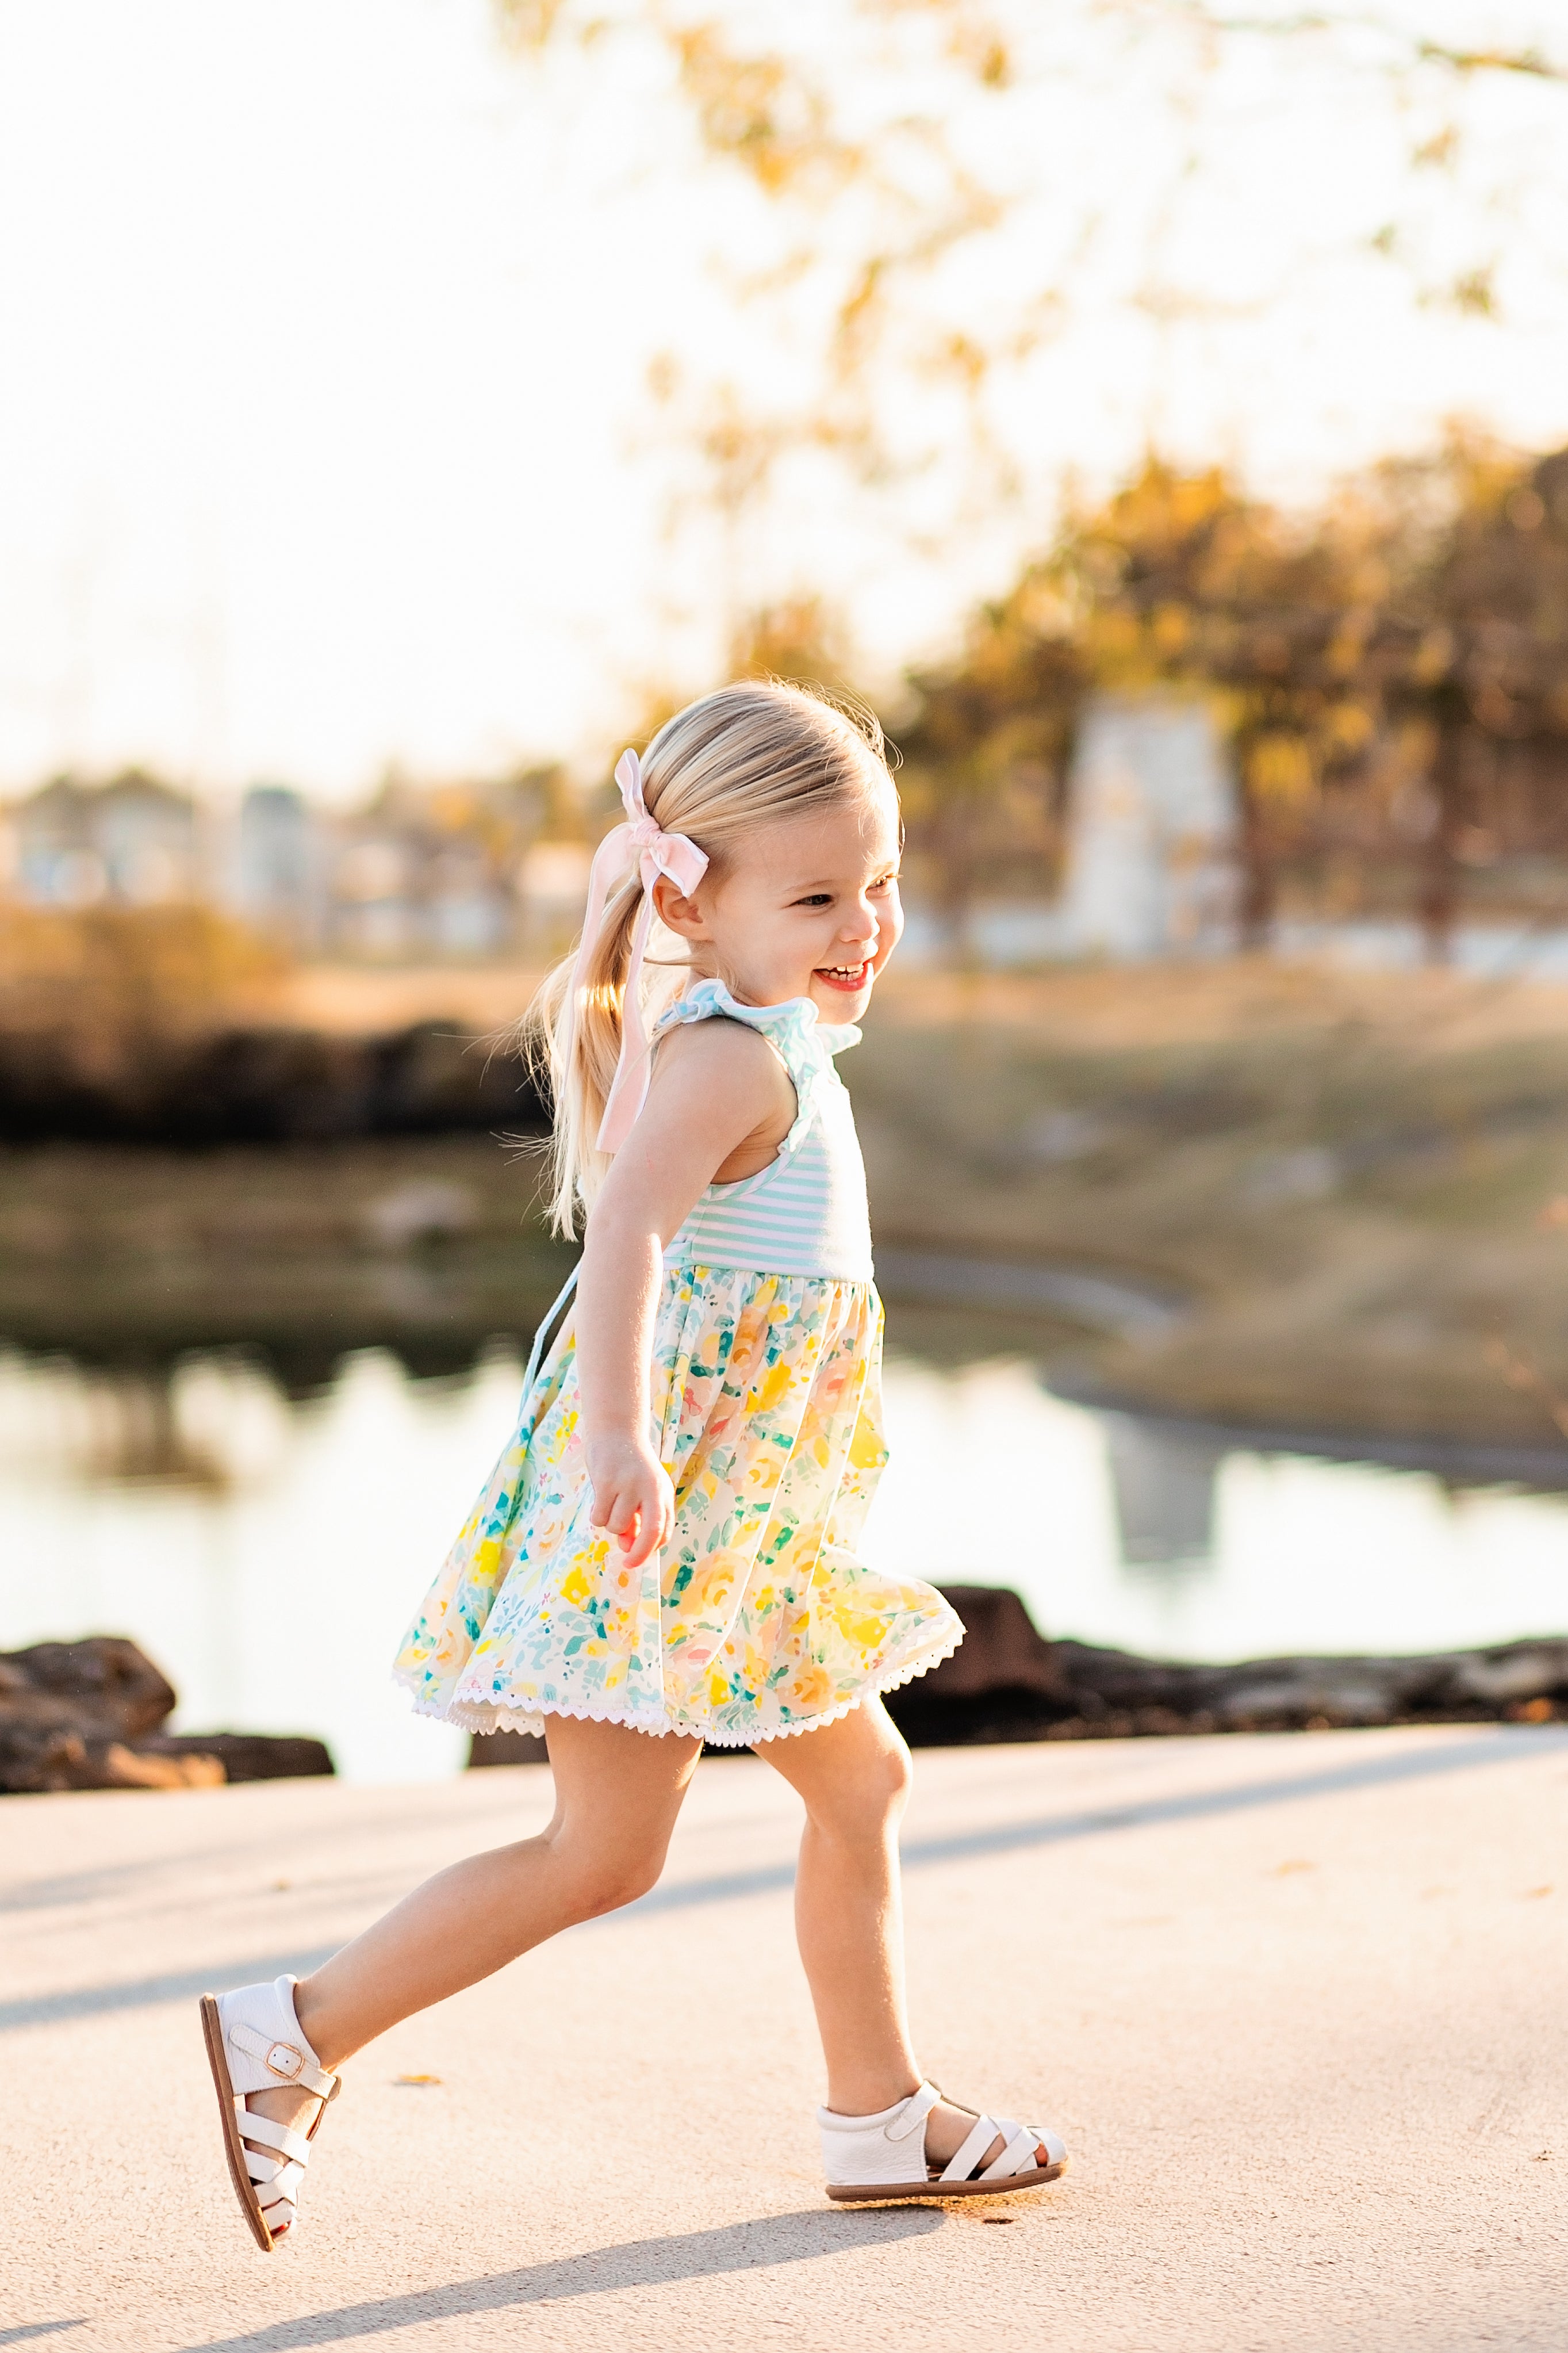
(552, 892)
(455, 870)
(470, 910)
(135, 841)
(373, 891)
(1152, 822)
(421, 874)
(277, 877)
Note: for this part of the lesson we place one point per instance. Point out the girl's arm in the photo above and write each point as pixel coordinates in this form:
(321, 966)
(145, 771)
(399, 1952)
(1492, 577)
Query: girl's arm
(716, 1087)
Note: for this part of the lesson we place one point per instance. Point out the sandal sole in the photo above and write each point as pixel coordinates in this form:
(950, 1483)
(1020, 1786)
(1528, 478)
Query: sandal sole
(233, 2146)
(937, 2194)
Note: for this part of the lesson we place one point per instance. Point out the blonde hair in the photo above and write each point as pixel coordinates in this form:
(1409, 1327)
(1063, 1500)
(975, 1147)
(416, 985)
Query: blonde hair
(745, 756)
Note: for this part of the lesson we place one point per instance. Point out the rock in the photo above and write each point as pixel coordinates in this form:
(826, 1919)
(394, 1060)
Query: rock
(1001, 1650)
(1006, 1681)
(145, 1769)
(84, 1715)
(105, 1677)
(506, 1748)
(245, 1755)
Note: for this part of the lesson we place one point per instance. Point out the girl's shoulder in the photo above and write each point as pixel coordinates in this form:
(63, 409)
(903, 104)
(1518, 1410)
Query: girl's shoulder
(706, 1029)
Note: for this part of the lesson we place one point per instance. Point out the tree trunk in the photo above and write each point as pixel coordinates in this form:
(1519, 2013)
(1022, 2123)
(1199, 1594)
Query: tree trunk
(1259, 874)
(1438, 901)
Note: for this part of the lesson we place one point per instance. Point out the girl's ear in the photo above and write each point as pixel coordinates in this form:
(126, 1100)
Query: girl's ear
(683, 915)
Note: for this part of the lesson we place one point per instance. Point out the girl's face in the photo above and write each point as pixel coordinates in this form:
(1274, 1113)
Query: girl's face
(807, 907)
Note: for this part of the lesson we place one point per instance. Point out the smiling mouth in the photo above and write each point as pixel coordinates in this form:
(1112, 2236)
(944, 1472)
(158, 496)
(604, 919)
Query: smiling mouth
(848, 976)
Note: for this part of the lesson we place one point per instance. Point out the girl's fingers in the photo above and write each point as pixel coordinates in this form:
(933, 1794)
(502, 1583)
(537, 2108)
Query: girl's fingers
(655, 1525)
(616, 1516)
(651, 1535)
(641, 1520)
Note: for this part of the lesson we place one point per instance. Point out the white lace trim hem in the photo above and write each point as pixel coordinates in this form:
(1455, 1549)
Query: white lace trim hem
(482, 1718)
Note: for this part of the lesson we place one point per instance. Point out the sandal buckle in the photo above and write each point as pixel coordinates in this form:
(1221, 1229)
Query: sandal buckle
(285, 2061)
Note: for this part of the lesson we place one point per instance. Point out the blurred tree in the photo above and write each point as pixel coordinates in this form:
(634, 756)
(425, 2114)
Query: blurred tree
(801, 640)
(1180, 582)
(985, 750)
(872, 154)
(1395, 665)
(1474, 648)
(871, 151)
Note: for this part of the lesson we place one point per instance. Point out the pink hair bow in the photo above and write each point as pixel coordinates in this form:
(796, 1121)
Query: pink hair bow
(656, 853)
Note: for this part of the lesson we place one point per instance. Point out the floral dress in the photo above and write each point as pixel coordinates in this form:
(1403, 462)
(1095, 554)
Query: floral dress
(757, 1618)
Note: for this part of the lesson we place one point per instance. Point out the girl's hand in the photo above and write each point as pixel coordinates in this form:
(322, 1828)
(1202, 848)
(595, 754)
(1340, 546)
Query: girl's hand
(632, 1499)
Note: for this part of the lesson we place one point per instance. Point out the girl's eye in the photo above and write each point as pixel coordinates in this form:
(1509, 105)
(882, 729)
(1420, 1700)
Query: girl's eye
(816, 898)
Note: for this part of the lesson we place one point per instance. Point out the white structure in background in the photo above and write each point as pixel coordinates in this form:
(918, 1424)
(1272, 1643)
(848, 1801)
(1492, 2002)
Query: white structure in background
(1153, 821)
(277, 868)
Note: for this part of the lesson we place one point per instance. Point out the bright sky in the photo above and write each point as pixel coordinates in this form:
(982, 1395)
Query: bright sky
(327, 325)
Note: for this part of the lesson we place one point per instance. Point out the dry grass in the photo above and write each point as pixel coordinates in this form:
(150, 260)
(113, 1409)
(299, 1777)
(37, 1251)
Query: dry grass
(1352, 1176)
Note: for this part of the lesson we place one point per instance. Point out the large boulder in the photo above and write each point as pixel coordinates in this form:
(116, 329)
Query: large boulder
(106, 1678)
(86, 1716)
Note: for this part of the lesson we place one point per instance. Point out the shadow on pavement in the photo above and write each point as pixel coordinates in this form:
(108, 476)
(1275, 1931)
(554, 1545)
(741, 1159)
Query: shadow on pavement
(1504, 1747)
(141, 1993)
(800, 2238)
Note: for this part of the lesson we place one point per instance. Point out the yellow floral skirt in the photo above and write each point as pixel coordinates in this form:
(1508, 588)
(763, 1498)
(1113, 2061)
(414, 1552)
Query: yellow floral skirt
(756, 1618)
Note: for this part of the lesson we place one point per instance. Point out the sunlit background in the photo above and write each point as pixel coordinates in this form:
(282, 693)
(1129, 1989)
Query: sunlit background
(421, 381)
(1156, 412)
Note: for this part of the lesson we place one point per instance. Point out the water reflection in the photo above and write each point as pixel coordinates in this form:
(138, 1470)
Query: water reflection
(214, 1422)
(1163, 1484)
(269, 1552)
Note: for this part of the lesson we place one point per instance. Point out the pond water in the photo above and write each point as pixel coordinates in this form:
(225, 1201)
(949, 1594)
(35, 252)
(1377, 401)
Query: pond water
(268, 1552)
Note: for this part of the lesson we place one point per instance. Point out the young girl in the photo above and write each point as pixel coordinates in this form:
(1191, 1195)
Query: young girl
(666, 1552)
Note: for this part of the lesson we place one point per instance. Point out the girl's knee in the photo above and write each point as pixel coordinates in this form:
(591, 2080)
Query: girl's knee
(597, 1880)
(866, 1802)
(895, 1775)
(608, 1889)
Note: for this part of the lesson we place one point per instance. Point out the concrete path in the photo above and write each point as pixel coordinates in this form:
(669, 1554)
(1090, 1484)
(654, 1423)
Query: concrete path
(1301, 2005)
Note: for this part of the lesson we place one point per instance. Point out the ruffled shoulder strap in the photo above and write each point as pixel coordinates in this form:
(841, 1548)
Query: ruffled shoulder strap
(803, 1045)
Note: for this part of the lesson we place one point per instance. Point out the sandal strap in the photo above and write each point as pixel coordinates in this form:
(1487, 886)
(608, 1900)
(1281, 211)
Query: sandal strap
(1020, 2155)
(272, 2135)
(971, 2150)
(914, 2112)
(280, 2180)
(284, 2060)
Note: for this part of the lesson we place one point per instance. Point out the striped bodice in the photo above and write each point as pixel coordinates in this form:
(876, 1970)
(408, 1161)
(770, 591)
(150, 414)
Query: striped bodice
(805, 1213)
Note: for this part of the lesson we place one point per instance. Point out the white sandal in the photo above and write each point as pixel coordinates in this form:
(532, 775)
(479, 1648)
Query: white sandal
(255, 2045)
(883, 2156)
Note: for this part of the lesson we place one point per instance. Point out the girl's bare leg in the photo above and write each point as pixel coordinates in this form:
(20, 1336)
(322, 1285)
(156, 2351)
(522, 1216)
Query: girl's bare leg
(617, 1794)
(854, 1777)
